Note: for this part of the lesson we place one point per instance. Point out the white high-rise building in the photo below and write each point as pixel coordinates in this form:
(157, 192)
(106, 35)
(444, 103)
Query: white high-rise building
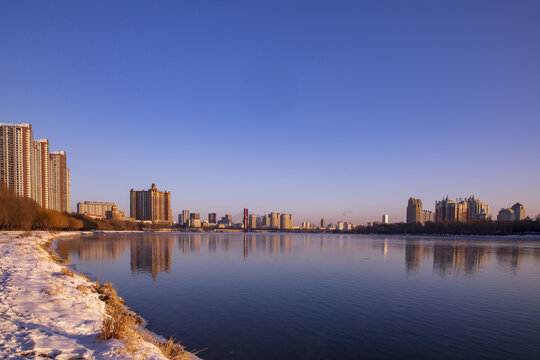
(385, 219)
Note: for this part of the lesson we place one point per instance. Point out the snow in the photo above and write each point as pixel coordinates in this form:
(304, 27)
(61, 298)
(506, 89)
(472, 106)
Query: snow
(47, 314)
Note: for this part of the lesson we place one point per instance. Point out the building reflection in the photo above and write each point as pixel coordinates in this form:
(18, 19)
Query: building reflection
(191, 242)
(151, 254)
(413, 255)
(458, 258)
(86, 249)
(509, 256)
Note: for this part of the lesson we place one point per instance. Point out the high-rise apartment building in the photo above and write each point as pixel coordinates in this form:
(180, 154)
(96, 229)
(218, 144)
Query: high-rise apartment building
(477, 210)
(59, 191)
(183, 218)
(286, 221)
(212, 218)
(41, 165)
(385, 219)
(323, 223)
(275, 221)
(16, 148)
(226, 220)
(450, 211)
(414, 211)
(151, 205)
(29, 169)
(519, 211)
(252, 222)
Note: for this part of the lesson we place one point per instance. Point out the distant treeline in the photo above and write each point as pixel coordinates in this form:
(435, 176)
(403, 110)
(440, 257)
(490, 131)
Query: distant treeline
(455, 228)
(21, 213)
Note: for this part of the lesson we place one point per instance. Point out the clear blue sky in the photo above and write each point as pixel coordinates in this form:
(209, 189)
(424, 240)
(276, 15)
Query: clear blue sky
(342, 109)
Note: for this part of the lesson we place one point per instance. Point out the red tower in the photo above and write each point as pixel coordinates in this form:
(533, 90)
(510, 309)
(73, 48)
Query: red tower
(246, 220)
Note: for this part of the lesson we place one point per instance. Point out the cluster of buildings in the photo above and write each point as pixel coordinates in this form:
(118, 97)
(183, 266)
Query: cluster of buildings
(149, 205)
(461, 210)
(30, 169)
(516, 212)
(272, 221)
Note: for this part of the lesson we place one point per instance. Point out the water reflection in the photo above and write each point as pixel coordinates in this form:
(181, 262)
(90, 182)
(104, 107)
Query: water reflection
(152, 253)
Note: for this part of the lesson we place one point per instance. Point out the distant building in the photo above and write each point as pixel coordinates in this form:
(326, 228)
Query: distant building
(252, 221)
(306, 225)
(323, 223)
(265, 221)
(59, 182)
(428, 216)
(183, 218)
(196, 223)
(94, 209)
(340, 225)
(519, 211)
(348, 226)
(516, 212)
(385, 219)
(212, 218)
(448, 211)
(286, 222)
(414, 211)
(115, 214)
(151, 205)
(275, 221)
(477, 210)
(226, 220)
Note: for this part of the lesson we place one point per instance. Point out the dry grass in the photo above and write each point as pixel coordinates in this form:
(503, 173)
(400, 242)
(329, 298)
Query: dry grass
(48, 291)
(66, 272)
(122, 323)
(83, 289)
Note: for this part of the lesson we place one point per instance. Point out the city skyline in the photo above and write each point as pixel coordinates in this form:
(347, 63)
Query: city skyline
(255, 106)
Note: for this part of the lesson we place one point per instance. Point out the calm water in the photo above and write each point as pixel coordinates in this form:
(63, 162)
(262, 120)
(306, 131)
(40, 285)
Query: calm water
(295, 296)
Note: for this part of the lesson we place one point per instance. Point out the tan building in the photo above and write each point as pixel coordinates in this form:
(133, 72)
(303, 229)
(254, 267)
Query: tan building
(59, 187)
(428, 216)
(275, 220)
(94, 209)
(252, 221)
(414, 211)
(152, 205)
(515, 213)
(41, 165)
(286, 221)
(16, 148)
(115, 214)
(477, 210)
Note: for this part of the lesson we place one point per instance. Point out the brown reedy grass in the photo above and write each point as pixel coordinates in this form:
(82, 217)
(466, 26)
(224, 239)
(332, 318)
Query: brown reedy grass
(122, 323)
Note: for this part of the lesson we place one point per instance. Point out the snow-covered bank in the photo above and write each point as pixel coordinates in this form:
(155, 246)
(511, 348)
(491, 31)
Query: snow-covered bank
(49, 312)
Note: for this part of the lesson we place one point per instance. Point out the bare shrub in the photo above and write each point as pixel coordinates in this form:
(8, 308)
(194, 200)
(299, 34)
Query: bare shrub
(66, 272)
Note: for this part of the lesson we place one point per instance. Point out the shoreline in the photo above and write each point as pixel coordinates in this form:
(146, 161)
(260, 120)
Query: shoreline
(49, 311)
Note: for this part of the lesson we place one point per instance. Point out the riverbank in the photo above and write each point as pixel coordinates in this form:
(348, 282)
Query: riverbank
(48, 311)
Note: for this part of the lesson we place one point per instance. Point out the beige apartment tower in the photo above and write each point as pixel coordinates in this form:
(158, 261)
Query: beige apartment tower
(16, 155)
(415, 211)
(150, 205)
(59, 188)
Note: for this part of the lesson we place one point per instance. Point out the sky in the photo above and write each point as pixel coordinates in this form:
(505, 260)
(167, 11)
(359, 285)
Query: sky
(335, 109)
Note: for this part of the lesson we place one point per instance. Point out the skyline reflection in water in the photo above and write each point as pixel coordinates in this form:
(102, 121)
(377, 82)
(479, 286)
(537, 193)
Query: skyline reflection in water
(320, 296)
(152, 252)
